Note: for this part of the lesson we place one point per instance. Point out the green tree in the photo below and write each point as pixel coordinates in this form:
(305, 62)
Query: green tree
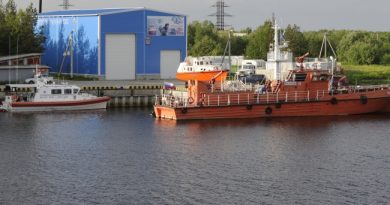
(313, 41)
(3, 32)
(206, 46)
(203, 39)
(239, 45)
(246, 30)
(297, 43)
(361, 47)
(259, 41)
(18, 29)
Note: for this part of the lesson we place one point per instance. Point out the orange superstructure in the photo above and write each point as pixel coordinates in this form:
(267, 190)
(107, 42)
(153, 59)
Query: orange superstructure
(304, 93)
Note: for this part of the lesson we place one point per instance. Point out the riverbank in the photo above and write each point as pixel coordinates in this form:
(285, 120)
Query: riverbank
(367, 74)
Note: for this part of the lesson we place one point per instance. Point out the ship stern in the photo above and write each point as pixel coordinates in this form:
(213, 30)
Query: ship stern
(165, 112)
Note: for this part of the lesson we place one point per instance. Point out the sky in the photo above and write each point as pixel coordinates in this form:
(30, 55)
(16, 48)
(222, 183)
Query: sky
(309, 15)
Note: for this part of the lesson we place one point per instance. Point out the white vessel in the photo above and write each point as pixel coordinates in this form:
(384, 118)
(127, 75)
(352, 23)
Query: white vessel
(200, 68)
(49, 97)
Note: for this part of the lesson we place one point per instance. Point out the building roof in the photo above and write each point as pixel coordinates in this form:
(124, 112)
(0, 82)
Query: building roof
(98, 12)
(6, 58)
(90, 12)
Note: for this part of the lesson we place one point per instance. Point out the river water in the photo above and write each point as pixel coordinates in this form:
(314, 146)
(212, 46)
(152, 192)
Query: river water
(124, 156)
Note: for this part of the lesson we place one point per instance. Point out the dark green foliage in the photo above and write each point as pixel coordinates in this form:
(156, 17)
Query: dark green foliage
(259, 41)
(352, 47)
(17, 30)
(297, 43)
(203, 39)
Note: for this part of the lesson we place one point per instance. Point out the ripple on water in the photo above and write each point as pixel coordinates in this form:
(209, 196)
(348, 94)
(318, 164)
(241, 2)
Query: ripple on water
(124, 156)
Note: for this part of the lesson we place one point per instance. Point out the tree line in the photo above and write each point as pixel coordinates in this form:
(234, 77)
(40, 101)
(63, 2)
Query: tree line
(18, 32)
(351, 47)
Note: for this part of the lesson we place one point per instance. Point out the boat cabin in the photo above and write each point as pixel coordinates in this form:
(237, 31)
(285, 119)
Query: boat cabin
(304, 80)
(59, 90)
(47, 92)
(202, 61)
(200, 64)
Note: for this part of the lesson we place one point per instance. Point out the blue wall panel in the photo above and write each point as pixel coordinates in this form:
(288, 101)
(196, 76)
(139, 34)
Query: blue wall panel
(123, 23)
(86, 39)
(147, 55)
(159, 43)
(84, 32)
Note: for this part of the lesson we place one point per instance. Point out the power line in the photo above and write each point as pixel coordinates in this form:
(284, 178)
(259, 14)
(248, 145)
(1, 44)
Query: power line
(66, 4)
(220, 14)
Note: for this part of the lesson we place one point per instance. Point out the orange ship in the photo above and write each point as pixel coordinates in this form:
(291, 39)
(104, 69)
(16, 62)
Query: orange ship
(201, 69)
(303, 93)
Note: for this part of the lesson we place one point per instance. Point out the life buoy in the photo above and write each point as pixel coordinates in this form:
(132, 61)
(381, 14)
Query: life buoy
(190, 100)
(268, 110)
(249, 107)
(333, 101)
(184, 110)
(363, 99)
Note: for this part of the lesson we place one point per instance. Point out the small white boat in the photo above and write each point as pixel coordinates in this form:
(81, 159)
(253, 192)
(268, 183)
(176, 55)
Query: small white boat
(201, 69)
(49, 97)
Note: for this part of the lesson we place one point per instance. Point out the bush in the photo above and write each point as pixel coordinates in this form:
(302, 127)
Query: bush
(385, 59)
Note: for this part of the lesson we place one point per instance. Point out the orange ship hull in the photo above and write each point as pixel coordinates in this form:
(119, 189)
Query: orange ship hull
(303, 93)
(204, 76)
(324, 107)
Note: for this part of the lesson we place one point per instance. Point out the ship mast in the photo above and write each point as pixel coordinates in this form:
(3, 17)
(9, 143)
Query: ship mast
(277, 71)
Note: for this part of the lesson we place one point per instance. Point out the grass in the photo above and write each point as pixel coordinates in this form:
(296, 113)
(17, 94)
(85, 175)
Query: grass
(367, 74)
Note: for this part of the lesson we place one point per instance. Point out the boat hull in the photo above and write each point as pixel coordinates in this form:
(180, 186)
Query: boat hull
(289, 109)
(204, 76)
(90, 104)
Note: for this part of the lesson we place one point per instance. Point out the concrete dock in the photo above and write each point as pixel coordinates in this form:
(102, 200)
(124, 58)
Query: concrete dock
(137, 93)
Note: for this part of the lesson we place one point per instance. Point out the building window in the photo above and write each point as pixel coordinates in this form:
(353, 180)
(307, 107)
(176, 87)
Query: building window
(68, 91)
(56, 91)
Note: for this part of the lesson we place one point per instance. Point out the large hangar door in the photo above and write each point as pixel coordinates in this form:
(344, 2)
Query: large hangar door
(169, 62)
(120, 56)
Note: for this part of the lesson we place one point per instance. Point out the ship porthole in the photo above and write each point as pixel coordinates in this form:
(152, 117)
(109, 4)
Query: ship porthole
(278, 105)
(268, 110)
(363, 99)
(333, 101)
(249, 107)
(184, 110)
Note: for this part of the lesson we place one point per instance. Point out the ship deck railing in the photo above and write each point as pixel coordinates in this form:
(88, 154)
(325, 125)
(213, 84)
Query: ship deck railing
(252, 98)
(240, 98)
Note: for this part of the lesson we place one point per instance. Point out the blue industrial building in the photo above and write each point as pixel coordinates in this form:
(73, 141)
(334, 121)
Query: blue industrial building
(114, 44)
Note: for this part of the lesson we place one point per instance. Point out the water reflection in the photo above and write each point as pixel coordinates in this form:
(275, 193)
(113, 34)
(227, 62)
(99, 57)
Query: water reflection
(122, 155)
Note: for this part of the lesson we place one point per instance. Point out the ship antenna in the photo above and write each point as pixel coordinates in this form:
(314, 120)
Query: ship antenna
(325, 42)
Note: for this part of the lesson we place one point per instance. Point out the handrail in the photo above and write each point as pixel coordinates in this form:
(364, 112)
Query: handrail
(247, 98)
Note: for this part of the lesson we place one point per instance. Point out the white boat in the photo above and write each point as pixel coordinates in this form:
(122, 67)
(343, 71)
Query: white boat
(49, 97)
(201, 69)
